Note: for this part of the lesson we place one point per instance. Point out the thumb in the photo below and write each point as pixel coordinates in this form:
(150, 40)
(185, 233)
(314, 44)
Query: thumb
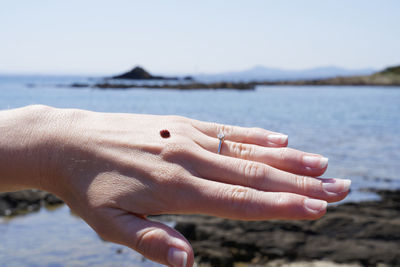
(154, 240)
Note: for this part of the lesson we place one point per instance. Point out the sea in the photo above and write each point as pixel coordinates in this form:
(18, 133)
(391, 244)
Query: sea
(357, 128)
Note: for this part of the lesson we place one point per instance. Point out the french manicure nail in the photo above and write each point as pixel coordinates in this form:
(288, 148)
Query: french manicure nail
(336, 185)
(277, 138)
(177, 257)
(315, 162)
(315, 204)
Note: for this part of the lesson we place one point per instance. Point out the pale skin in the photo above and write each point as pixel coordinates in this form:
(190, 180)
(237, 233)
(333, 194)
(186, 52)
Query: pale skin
(115, 169)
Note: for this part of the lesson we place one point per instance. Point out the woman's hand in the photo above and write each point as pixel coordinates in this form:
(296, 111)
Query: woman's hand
(115, 169)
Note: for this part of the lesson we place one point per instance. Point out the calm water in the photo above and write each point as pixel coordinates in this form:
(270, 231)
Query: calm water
(357, 128)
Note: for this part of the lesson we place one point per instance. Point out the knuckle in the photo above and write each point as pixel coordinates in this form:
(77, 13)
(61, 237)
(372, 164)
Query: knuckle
(146, 239)
(252, 132)
(301, 183)
(238, 197)
(175, 151)
(181, 124)
(247, 133)
(251, 169)
(253, 173)
(175, 172)
(255, 130)
(242, 151)
(226, 129)
(282, 201)
(177, 118)
(170, 176)
(283, 153)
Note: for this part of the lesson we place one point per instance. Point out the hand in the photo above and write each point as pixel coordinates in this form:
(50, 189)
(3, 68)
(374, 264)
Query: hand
(115, 169)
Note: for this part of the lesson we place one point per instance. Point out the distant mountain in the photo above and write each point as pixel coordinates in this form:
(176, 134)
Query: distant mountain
(387, 77)
(260, 73)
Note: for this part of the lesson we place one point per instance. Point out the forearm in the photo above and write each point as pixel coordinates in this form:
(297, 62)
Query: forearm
(24, 144)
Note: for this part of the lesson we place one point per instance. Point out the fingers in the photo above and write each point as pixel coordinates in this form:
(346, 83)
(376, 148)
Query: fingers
(283, 158)
(266, 178)
(255, 136)
(243, 203)
(153, 240)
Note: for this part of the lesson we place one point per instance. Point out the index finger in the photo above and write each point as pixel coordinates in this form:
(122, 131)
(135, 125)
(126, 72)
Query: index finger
(256, 136)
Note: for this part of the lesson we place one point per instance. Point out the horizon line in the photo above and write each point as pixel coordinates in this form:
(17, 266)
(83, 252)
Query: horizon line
(99, 74)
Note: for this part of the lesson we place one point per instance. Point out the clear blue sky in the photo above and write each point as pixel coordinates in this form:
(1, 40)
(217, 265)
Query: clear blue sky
(104, 37)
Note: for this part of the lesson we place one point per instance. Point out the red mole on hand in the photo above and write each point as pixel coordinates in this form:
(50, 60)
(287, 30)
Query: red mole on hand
(165, 133)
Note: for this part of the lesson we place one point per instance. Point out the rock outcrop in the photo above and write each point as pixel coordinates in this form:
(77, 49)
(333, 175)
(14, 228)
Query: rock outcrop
(20, 202)
(138, 73)
(366, 234)
(363, 234)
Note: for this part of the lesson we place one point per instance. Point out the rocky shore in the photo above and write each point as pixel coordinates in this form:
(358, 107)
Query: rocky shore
(21, 202)
(353, 234)
(360, 234)
(180, 86)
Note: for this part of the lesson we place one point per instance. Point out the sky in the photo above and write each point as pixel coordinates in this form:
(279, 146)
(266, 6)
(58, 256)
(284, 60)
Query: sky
(183, 37)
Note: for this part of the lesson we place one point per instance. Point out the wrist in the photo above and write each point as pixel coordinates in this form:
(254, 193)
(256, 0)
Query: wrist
(25, 147)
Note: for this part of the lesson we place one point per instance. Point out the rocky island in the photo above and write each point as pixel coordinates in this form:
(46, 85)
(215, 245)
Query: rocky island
(138, 73)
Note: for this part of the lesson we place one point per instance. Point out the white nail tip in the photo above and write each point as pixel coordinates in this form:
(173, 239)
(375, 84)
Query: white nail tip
(336, 186)
(315, 205)
(323, 162)
(346, 184)
(177, 258)
(315, 162)
(277, 138)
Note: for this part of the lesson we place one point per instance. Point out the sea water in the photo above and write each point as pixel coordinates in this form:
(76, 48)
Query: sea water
(357, 128)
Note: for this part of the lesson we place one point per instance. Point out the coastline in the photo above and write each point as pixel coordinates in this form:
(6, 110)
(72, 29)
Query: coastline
(338, 81)
(388, 77)
(180, 86)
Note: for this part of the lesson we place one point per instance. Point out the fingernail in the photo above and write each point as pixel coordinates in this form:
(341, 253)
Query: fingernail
(336, 185)
(277, 138)
(315, 162)
(315, 204)
(177, 257)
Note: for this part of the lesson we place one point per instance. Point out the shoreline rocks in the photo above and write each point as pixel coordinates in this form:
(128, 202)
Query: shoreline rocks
(366, 234)
(353, 234)
(181, 86)
(21, 202)
(338, 81)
